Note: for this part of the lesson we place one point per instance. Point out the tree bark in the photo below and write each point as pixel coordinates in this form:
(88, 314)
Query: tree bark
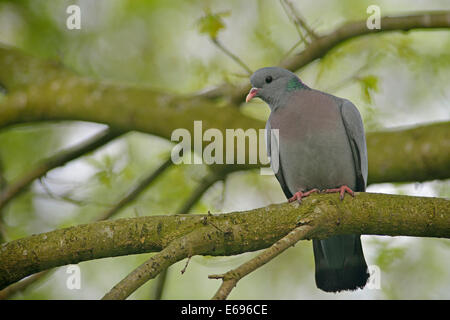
(39, 90)
(325, 43)
(419, 154)
(226, 234)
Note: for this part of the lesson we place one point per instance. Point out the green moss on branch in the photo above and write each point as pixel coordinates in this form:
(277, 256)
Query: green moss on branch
(230, 234)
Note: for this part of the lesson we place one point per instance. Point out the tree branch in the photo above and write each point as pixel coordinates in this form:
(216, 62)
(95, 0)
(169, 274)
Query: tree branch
(177, 250)
(224, 234)
(231, 278)
(170, 113)
(230, 54)
(132, 195)
(160, 285)
(204, 185)
(128, 108)
(57, 160)
(299, 21)
(416, 154)
(136, 190)
(38, 91)
(23, 284)
(324, 44)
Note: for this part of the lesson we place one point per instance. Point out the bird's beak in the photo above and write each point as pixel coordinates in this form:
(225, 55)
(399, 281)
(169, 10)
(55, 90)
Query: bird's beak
(251, 94)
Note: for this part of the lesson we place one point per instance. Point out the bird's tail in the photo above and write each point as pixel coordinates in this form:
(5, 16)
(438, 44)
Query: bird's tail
(340, 263)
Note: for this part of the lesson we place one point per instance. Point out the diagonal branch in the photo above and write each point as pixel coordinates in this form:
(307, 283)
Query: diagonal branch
(136, 191)
(170, 113)
(23, 284)
(160, 285)
(57, 160)
(224, 234)
(234, 57)
(318, 48)
(298, 20)
(177, 250)
(132, 195)
(231, 278)
(204, 185)
(325, 43)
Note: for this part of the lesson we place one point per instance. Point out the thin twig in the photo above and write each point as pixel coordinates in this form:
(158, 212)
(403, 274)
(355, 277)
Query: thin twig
(91, 144)
(133, 194)
(175, 251)
(347, 81)
(22, 284)
(300, 21)
(291, 16)
(231, 55)
(231, 278)
(325, 43)
(148, 270)
(12, 190)
(299, 42)
(64, 197)
(136, 190)
(186, 265)
(204, 185)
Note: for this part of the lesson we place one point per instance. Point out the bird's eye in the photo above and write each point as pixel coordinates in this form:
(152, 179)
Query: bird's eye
(268, 79)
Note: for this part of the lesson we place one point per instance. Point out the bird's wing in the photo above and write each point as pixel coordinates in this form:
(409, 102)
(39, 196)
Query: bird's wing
(355, 132)
(272, 144)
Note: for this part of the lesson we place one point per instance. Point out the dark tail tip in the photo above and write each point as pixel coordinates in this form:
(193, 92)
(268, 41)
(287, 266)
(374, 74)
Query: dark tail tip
(352, 278)
(340, 263)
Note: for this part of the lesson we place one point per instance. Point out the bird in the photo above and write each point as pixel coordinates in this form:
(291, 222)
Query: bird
(320, 147)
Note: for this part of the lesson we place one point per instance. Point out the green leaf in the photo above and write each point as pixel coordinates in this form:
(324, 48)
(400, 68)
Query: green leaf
(212, 23)
(369, 83)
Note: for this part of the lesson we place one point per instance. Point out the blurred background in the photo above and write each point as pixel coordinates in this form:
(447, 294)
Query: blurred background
(395, 80)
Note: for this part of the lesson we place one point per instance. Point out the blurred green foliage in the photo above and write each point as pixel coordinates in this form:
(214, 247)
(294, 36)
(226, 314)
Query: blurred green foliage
(395, 79)
(212, 23)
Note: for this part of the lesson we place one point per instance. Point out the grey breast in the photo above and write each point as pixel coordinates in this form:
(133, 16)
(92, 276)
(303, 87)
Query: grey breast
(313, 146)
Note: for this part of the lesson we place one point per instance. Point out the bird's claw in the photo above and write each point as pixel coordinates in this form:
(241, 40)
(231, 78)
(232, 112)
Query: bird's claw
(299, 195)
(342, 190)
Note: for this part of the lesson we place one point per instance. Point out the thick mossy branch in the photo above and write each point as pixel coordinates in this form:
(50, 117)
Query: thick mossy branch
(417, 154)
(65, 96)
(128, 108)
(20, 70)
(231, 233)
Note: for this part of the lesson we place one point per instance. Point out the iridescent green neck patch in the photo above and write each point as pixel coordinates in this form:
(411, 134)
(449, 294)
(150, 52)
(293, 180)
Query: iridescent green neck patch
(295, 84)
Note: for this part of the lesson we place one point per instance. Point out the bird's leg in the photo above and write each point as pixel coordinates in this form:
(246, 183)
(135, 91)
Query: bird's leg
(342, 190)
(299, 195)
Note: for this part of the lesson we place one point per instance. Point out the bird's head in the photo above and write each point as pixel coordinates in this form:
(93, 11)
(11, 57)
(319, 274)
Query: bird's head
(271, 84)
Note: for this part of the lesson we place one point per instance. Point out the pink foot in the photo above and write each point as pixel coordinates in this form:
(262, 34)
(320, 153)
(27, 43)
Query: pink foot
(342, 190)
(299, 195)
